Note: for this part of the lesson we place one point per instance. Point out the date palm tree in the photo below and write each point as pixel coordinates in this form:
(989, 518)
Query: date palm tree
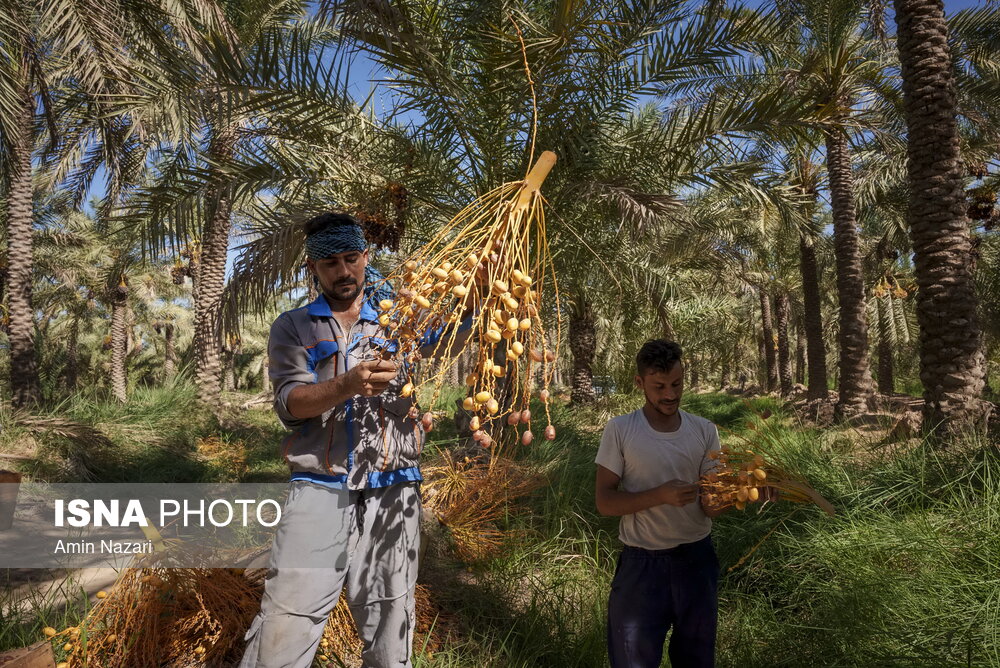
(840, 68)
(805, 175)
(54, 52)
(591, 63)
(235, 131)
(952, 365)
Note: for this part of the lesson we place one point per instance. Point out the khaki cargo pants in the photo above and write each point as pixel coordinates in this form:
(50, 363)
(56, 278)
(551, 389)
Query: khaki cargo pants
(328, 538)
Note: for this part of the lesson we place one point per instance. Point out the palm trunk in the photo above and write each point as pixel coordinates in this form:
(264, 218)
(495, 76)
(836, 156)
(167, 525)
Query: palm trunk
(454, 378)
(582, 343)
(21, 331)
(952, 365)
(725, 375)
(761, 362)
(265, 379)
(784, 352)
(119, 344)
(169, 353)
(800, 354)
(211, 281)
(767, 331)
(464, 364)
(855, 386)
(886, 385)
(72, 354)
(694, 369)
(812, 320)
(228, 370)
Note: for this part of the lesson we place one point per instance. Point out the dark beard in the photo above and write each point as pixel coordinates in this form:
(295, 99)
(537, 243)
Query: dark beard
(344, 292)
(662, 410)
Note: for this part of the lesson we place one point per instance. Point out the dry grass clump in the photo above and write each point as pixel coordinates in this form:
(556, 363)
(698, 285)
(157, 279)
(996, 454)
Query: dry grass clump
(165, 617)
(181, 617)
(469, 496)
(229, 457)
(340, 637)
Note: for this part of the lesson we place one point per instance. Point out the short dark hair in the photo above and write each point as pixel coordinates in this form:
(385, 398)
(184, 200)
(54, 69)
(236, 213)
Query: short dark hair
(657, 355)
(328, 219)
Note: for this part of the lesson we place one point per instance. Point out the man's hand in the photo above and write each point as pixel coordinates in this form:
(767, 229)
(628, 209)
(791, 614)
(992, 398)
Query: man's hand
(370, 378)
(677, 493)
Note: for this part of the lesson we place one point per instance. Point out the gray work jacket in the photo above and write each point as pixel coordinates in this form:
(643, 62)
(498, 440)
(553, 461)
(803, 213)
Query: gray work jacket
(363, 442)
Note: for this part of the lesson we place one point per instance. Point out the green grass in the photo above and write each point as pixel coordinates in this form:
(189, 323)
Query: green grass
(152, 438)
(904, 575)
(22, 617)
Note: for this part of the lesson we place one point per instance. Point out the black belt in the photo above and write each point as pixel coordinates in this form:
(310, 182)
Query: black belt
(683, 547)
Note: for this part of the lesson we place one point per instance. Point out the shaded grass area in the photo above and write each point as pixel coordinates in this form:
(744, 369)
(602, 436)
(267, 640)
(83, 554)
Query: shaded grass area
(906, 574)
(158, 436)
(22, 617)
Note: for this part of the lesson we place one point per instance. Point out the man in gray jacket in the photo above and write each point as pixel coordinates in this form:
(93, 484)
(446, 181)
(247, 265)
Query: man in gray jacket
(352, 515)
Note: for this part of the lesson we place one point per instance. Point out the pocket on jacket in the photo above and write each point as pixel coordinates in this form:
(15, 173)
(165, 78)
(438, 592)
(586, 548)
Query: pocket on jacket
(405, 435)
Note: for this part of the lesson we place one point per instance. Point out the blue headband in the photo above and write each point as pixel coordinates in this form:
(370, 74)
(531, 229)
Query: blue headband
(344, 239)
(335, 239)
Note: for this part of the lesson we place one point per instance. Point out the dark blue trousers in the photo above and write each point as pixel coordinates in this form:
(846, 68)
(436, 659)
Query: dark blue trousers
(656, 590)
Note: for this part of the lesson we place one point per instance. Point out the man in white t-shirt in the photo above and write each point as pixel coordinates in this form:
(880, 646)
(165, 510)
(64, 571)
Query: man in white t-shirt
(648, 470)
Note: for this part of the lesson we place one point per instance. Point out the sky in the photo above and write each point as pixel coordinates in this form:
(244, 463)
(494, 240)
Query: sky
(952, 6)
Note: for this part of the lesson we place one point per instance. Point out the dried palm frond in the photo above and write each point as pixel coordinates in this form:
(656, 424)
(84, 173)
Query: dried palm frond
(42, 425)
(85, 438)
(165, 617)
(179, 617)
(469, 496)
(340, 637)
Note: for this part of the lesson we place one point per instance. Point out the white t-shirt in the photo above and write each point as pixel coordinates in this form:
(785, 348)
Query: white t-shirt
(645, 458)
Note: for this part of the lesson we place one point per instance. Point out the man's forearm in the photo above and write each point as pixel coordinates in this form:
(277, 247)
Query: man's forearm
(307, 401)
(617, 502)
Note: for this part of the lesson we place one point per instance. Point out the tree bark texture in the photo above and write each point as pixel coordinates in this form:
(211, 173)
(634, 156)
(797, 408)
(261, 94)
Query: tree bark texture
(800, 353)
(25, 389)
(119, 348)
(228, 370)
(761, 361)
(767, 331)
(952, 365)
(855, 386)
(169, 352)
(211, 281)
(782, 309)
(886, 383)
(812, 320)
(582, 343)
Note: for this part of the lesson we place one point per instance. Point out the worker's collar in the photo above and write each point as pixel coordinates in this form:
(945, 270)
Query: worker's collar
(320, 308)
